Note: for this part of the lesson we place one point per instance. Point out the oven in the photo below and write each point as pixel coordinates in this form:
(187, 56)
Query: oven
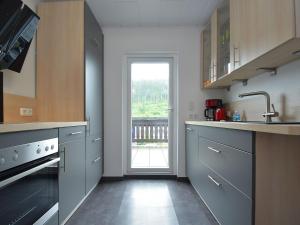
(29, 183)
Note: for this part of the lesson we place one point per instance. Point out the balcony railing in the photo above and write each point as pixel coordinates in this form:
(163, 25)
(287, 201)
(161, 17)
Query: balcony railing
(150, 129)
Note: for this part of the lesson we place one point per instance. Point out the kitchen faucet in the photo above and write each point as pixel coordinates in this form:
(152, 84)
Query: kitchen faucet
(268, 114)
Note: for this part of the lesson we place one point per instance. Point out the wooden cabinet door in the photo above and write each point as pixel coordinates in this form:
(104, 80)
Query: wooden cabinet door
(258, 26)
(274, 21)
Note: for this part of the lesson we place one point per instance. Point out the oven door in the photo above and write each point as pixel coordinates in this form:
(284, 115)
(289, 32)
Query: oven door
(29, 193)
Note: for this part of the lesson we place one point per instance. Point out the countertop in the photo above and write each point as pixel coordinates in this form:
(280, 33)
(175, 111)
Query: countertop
(16, 127)
(285, 129)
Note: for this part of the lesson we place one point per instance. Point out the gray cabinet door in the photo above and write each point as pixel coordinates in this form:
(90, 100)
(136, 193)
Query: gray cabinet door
(71, 176)
(192, 153)
(93, 74)
(94, 161)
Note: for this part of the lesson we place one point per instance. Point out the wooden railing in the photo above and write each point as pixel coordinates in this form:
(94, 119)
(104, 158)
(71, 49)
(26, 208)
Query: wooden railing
(149, 130)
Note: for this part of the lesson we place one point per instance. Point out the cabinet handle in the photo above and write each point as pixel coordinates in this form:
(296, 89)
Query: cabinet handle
(189, 129)
(234, 57)
(214, 181)
(97, 139)
(64, 165)
(214, 150)
(96, 160)
(76, 133)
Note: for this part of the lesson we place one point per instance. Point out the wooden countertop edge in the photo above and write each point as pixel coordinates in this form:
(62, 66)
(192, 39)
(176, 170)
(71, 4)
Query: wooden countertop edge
(18, 127)
(284, 129)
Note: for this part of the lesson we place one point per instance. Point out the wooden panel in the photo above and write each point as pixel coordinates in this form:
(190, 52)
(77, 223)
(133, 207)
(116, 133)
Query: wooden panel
(275, 23)
(277, 180)
(12, 105)
(60, 61)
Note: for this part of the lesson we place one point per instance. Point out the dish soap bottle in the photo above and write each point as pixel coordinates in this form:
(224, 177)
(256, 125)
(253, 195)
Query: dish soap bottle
(236, 116)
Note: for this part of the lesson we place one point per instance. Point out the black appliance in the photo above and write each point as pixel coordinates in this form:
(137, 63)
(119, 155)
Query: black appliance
(29, 183)
(18, 24)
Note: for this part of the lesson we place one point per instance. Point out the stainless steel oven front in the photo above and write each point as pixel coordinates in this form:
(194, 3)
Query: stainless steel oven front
(29, 183)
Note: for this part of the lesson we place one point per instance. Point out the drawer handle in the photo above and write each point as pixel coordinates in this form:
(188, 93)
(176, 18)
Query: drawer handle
(189, 129)
(76, 133)
(97, 139)
(214, 181)
(96, 160)
(214, 150)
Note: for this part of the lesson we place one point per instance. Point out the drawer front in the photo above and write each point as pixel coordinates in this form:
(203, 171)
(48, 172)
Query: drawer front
(233, 165)
(228, 205)
(71, 133)
(236, 138)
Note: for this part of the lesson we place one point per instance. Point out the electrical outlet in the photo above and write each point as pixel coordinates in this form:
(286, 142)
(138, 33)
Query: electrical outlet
(26, 111)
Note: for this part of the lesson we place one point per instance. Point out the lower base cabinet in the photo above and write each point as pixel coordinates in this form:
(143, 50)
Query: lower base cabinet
(220, 170)
(228, 205)
(71, 173)
(94, 162)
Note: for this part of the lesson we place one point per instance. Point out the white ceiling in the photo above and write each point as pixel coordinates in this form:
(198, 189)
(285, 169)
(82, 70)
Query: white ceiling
(134, 13)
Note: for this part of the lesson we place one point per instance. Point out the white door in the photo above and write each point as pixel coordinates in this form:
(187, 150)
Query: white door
(150, 115)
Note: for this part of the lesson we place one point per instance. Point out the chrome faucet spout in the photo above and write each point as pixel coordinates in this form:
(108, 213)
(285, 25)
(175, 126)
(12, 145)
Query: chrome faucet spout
(268, 114)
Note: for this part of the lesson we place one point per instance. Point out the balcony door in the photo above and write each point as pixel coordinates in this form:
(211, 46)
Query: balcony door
(150, 115)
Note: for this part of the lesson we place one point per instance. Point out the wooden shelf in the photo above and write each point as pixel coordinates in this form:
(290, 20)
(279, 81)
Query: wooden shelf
(273, 59)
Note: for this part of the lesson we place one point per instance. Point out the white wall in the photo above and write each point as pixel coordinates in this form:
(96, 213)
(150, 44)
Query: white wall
(185, 41)
(24, 83)
(284, 89)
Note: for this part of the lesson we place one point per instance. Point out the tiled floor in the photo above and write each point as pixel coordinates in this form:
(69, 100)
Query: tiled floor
(143, 202)
(150, 156)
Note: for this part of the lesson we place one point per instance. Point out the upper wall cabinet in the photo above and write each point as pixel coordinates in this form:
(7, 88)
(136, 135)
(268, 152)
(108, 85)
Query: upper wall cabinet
(264, 34)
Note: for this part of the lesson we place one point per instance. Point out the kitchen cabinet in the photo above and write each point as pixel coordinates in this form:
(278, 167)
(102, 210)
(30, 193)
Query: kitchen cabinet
(72, 171)
(192, 153)
(94, 162)
(70, 74)
(264, 35)
(220, 167)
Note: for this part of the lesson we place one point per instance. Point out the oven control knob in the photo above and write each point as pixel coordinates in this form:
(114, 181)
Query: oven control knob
(38, 151)
(2, 161)
(15, 157)
(47, 149)
(52, 147)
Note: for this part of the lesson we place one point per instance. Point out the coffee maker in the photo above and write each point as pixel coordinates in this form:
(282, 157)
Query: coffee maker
(214, 110)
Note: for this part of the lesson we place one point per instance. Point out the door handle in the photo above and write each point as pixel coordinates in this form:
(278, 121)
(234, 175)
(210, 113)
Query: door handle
(76, 133)
(96, 160)
(97, 139)
(214, 150)
(214, 181)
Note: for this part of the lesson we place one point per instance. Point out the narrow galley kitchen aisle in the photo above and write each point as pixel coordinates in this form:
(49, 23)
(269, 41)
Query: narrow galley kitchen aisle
(143, 202)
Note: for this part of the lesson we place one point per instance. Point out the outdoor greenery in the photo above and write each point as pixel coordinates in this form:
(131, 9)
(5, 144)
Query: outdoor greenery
(150, 98)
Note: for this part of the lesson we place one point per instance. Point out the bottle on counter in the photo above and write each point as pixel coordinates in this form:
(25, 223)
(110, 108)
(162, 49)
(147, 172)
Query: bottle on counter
(236, 116)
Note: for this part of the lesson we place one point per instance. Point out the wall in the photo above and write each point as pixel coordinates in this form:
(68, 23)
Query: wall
(24, 83)
(185, 41)
(283, 88)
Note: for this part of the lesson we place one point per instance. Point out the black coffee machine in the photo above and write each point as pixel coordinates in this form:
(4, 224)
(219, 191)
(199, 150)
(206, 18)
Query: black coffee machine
(211, 107)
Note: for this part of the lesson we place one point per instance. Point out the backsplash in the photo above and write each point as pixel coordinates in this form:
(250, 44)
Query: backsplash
(284, 89)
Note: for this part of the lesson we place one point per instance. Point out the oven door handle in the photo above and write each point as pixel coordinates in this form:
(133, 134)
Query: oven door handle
(27, 172)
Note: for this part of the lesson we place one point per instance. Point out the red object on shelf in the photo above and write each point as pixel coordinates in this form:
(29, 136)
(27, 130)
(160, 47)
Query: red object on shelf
(220, 114)
(213, 103)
